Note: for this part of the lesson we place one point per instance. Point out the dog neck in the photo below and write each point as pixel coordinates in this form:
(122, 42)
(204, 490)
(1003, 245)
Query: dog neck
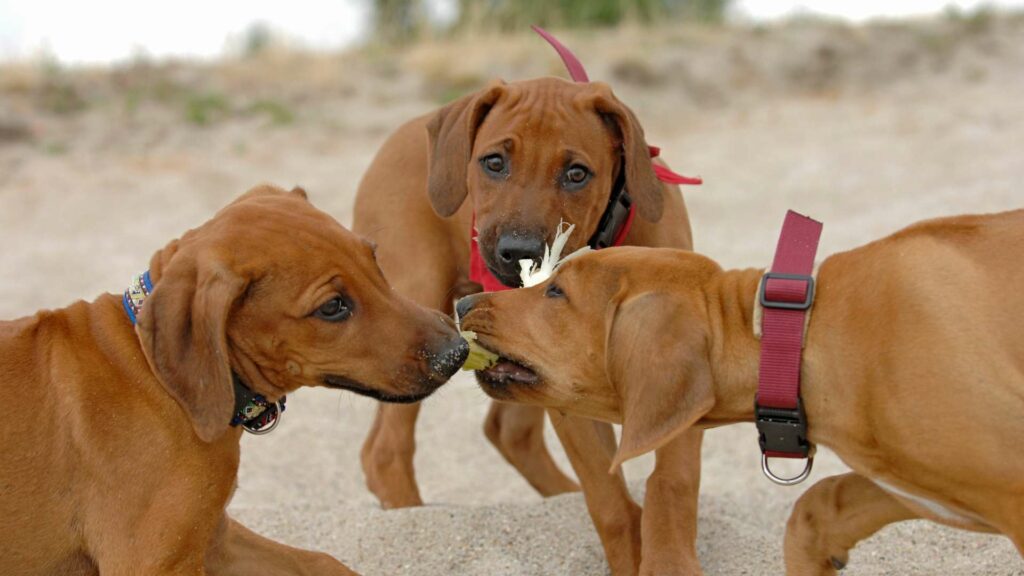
(253, 412)
(735, 351)
(736, 355)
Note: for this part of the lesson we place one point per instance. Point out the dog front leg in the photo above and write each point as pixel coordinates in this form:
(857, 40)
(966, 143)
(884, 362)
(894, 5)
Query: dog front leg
(387, 456)
(238, 551)
(424, 272)
(670, 509)
(590, 446)
(517, 431)
(831, 517)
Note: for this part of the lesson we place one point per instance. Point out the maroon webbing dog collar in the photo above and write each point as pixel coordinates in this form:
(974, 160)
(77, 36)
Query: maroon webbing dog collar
(786, 295)
(619, 214)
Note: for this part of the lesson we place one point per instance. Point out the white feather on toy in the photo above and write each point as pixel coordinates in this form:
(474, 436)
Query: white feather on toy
(532, 273)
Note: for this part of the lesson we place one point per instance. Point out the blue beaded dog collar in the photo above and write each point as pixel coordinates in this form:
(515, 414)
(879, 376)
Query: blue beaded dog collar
(254, 413)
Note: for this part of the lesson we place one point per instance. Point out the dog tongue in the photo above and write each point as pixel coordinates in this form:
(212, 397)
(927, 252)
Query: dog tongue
(507, 370)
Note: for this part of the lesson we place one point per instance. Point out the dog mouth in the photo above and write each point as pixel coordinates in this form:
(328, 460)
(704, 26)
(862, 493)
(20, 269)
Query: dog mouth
(510, 280)
(507, 276)
(342, 383)
(506, 372)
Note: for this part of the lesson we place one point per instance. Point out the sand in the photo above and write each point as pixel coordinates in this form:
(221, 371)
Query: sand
(867, 129)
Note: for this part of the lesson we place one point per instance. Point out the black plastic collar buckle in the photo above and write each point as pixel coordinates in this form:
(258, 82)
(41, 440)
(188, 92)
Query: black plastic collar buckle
(762, 295)
(612, 223)
(782, 430)
(615, 214)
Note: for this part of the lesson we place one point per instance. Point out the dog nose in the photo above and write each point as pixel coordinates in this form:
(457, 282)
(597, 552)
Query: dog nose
(465, 304)
(514, 247)
(447, 358)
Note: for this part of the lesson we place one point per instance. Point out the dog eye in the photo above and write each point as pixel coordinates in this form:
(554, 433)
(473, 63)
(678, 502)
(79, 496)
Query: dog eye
(554, 291)
(494, 164)
(576, 174)
(334, 310)
(576, 177)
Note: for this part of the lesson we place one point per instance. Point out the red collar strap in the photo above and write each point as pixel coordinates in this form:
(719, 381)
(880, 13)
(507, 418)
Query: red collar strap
(576, 70)
(786, 295)
(478, 271)
(579, 74)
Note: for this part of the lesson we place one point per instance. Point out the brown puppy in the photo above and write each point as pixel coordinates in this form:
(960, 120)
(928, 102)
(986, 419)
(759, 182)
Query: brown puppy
(519, 158)
(913, 371)
(118, 455)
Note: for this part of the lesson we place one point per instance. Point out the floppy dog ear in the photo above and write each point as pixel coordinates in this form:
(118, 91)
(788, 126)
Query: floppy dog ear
(452, 131)
(183, 330)
(641, 181)
(657, 360)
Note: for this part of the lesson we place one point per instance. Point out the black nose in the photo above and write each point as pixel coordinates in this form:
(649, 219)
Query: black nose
(447, 358)
(465, 304)
(515, 247)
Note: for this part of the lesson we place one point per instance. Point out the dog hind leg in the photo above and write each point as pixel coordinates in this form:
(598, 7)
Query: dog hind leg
(831, 517)
(238, 551)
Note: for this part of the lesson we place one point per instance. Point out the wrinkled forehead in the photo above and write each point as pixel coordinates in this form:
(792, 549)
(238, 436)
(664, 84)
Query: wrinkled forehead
(290, 237)
(548, 110)
(590, 275)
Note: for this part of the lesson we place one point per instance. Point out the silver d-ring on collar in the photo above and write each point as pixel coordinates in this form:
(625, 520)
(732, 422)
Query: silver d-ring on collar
(279, 411)
(786, 481)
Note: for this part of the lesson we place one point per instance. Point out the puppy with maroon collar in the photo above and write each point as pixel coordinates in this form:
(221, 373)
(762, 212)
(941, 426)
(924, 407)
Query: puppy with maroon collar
(913, 372)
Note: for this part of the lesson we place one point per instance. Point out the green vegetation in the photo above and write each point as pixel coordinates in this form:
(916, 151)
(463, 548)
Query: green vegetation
(57, 93)
(397, 21)
(276, 112)
(257, 39)
(208, 108)
(203, 109)
(55, 148)
(514, 15)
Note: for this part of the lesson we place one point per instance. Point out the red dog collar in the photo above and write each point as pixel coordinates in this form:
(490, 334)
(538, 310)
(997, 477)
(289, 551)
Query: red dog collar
(786, 294)
(618, 216)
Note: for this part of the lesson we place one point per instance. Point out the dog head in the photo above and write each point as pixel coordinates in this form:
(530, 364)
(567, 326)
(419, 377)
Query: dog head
(619, 335)
(278, 292)
(531, 154)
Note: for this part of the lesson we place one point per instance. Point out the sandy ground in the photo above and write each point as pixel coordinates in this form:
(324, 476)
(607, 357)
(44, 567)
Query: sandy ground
(865, 129)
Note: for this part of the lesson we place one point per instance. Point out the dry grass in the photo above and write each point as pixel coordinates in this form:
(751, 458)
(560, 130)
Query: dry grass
(701, 65)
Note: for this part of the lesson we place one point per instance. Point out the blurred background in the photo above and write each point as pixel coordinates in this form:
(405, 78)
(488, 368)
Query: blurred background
(106, 31)
(124, 123)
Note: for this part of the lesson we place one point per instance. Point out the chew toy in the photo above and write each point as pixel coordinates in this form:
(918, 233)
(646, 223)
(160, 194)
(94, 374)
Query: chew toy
(532, 273)
(479, 358)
